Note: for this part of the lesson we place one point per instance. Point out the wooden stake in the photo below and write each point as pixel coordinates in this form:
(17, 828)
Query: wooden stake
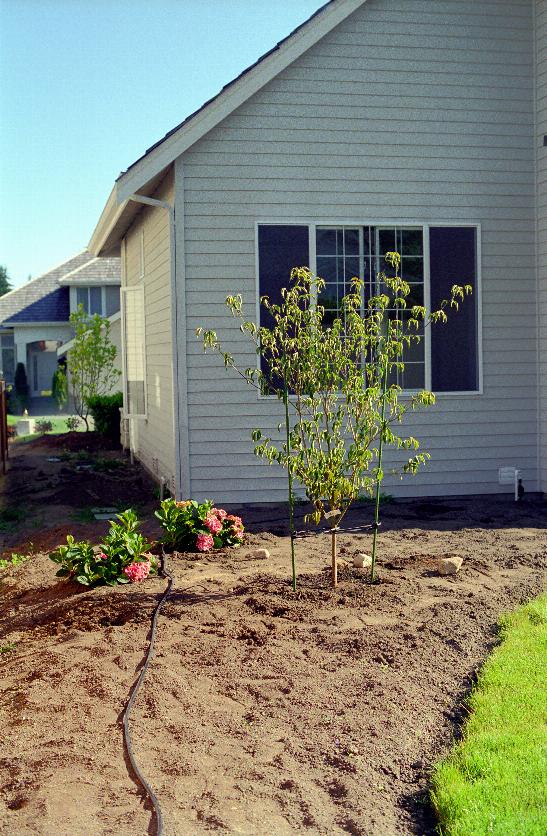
(334, 579)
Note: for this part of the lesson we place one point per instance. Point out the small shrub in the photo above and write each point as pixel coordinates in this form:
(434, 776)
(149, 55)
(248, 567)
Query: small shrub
(72, 423)
(122, 558)
(14, 560)
(20, 385)
(43, 426)
(59, 386)
(190, 526)
(105, 411)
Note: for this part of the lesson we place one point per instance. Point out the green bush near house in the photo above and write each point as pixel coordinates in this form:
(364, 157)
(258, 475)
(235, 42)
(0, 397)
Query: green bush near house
(494, 780)
(105, 411)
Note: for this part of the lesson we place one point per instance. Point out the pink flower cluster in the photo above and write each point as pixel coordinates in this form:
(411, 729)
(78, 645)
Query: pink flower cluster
(204, 542)
(137, 571)
(213, 523)
(237, 524)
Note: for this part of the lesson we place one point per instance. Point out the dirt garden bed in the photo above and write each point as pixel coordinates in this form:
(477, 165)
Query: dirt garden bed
(263, 711)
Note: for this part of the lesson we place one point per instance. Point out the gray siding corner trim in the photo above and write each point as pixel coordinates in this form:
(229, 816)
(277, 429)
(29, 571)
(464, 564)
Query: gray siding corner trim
(180, 373)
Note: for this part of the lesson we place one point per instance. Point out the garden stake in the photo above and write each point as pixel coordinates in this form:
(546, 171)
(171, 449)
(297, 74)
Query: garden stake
(377, 500)
(334, 578)
(291, 496)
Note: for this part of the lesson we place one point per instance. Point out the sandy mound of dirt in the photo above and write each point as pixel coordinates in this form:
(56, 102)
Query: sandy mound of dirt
(263, 711)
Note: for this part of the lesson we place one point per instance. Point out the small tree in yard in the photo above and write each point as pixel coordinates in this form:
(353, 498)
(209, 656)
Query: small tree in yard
(91, 360)
(341, 406)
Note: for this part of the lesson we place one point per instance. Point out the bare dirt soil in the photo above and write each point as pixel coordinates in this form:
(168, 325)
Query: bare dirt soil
(264, 711)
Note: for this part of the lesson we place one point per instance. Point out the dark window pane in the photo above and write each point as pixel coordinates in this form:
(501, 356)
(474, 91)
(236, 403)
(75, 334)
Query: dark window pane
(82, 298)
(327, 268)
(280, 248)
(412, 269)
(95, 300)
(453, 260)
(351, 269)
(325, 242)
(7, 340)
(112, 297)
(328, 297)
(412, 242)
(414, 352)
(351, 241)
(416, 295)
(413, 376)
(386, 241)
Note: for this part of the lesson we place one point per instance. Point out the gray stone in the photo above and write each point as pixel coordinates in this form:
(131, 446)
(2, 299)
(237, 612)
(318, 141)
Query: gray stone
(362, 561)
(449, 565)
(259, 554)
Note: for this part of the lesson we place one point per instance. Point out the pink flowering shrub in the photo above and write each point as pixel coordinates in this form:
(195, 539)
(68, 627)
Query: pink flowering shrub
(193, 526)
(137, 571)
(204, 542)
(123, 557)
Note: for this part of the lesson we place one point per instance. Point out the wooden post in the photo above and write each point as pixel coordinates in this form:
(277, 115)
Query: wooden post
(3, 424)
(334, 578)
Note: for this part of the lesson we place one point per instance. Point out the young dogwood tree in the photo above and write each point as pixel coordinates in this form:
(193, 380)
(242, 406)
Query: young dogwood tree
(90, 361)
(338, 385)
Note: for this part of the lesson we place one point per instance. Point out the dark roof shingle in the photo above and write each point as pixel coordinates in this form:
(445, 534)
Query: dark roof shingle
(18, 301)
(98, 271)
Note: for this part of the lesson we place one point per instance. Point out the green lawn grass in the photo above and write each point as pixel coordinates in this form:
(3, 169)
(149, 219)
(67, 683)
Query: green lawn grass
(58, 426)
(493, 782)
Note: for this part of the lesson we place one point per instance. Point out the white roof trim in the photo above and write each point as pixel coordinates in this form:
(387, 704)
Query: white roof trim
(61, 323)
(167, 150)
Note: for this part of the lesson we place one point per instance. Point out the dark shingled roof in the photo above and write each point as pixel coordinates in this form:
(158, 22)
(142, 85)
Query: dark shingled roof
(53, 307)
(21, 304)
(46, 298)
(98, 271)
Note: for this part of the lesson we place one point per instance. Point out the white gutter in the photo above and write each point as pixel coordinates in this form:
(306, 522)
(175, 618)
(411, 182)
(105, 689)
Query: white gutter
(163, 204)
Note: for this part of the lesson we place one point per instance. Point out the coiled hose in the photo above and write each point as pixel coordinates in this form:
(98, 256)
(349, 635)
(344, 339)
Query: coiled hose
(127, 713)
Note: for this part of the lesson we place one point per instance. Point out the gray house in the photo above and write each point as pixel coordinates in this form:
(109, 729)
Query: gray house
(376, 125)
(34, 318)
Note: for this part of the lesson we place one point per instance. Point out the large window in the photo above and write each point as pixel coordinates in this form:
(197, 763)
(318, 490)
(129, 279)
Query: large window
(433, 258)
(99, 300)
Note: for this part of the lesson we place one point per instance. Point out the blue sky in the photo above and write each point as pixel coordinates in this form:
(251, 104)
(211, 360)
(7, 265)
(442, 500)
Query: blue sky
(87, 85)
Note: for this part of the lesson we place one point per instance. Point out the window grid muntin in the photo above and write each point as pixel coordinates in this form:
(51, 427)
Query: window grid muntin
(371, 242)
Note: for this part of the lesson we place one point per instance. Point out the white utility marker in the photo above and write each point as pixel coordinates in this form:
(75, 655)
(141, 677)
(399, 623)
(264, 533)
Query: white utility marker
(510, 476)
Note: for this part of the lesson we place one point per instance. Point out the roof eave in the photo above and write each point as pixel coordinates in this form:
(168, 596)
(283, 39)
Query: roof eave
(100, 242)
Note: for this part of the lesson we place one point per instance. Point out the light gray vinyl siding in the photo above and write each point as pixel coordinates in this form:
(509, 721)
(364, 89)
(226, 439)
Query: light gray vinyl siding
(147, 266)
(410, 111)
(541, 131)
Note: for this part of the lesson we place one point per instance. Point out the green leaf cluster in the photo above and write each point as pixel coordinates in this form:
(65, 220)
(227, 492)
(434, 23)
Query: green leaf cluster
(94, 566)
(338, 379)
(183, 521)
(90, 361)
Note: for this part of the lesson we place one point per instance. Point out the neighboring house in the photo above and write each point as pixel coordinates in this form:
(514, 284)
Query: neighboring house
(376, 125)
(34, 318)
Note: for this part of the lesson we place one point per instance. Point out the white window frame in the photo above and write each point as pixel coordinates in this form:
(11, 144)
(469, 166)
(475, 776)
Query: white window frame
(138, 288)
(74, 297)
(352, 224)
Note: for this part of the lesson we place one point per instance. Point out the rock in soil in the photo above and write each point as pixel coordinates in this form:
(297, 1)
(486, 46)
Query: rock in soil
(449, 565)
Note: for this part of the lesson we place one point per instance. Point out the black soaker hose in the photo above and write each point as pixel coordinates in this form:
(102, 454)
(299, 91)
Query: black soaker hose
(126, 733)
